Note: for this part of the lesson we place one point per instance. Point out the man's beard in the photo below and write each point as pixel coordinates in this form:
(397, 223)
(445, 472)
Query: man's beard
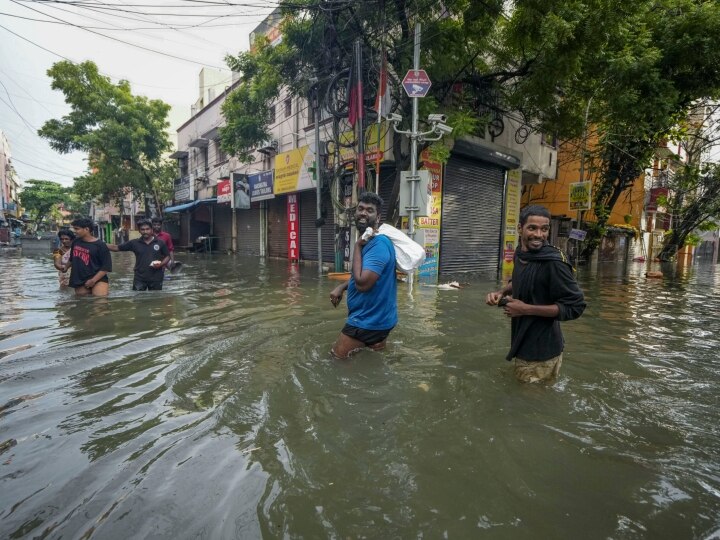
(361, 227)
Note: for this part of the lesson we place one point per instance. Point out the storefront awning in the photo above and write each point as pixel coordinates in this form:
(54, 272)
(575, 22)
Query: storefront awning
(188, 206)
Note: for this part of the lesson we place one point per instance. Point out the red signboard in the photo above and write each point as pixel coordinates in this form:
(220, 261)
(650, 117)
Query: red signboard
(416, 83)
(224, 192)
(293, 228)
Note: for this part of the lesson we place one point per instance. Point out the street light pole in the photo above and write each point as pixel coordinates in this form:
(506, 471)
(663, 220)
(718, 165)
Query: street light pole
(318, 176)
(413, 178)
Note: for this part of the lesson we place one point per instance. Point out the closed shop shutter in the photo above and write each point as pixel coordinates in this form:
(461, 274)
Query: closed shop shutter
(308, 231)
(471, 217)
(222, 227)
(277, 227)
(387, 179)
(248, 224)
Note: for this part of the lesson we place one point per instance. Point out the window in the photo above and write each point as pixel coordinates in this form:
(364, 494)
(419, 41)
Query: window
(288, 107)
(220, 156)
(549, 140)
(271, 119)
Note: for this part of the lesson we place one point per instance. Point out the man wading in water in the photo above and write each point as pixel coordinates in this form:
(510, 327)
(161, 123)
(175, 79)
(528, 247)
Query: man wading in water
(90, 261)
(372, 289)
(542, 292)
(151, 256)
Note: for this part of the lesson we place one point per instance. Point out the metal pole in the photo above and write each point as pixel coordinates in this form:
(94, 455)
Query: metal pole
(234, 213)
(413, 179)
(318, 176)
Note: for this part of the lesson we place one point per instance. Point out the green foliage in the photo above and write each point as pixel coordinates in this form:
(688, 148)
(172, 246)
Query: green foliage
(40, 197)
(124, 135)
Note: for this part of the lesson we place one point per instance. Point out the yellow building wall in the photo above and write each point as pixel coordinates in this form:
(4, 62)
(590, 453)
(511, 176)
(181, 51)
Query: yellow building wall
(554, 194)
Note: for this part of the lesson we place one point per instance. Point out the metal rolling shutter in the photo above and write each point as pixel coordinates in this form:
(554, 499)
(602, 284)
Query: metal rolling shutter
(277, 227)
(308, 231)
(387, 179)
(248, 225)
(471, 217)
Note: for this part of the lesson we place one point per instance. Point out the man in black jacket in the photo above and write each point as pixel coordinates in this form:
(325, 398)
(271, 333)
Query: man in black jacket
(542, 292)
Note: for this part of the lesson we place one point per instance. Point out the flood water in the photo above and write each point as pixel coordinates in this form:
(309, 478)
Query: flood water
(212, 410)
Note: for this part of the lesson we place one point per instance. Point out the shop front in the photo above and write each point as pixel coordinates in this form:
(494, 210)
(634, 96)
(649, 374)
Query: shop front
(471, 231)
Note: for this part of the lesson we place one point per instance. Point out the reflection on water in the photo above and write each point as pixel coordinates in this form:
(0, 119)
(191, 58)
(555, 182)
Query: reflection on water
(211, 409)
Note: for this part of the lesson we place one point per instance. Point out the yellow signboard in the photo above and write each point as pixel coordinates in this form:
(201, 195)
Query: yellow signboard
(291, 171)
(580, 196)
(512, 216)
(373, 150)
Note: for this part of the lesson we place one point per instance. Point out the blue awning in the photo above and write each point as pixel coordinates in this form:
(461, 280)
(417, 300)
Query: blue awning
(188, 206)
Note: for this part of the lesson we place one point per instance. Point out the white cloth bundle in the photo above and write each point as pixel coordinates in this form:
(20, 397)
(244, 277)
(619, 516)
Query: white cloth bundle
(409, 255)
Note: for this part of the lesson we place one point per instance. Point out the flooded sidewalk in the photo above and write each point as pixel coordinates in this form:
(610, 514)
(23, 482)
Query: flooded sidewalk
(212, 409)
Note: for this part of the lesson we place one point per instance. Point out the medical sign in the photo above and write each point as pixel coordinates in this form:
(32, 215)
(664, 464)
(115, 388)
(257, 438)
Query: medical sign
(416, 83)
(293, 223)
(579, 196)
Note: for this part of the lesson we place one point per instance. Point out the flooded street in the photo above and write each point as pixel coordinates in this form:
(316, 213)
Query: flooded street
(212, 410)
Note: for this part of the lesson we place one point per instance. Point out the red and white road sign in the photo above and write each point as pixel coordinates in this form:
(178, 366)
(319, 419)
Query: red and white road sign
(416, 83)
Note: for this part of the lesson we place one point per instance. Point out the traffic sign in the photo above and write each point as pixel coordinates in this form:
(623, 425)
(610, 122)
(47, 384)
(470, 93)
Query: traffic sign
(416, 83)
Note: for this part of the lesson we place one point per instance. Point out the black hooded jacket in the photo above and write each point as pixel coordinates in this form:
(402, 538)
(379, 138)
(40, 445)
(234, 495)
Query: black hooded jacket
(542, 278)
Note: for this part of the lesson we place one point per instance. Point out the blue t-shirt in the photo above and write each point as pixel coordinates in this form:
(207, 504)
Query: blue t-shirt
(375, 309)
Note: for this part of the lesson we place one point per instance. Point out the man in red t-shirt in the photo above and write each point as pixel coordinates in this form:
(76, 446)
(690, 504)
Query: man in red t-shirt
(165, 237)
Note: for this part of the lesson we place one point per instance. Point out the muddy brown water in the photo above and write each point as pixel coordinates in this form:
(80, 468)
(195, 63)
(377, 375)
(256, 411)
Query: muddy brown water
(212, 410)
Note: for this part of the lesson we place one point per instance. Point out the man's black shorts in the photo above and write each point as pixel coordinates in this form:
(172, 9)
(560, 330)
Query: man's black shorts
(140, 285)
(368, 337)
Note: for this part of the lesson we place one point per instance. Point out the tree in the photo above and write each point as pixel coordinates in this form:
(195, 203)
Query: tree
(124, 135)
(630, 69)
(633, 81)
(694, 190)
(40, 197)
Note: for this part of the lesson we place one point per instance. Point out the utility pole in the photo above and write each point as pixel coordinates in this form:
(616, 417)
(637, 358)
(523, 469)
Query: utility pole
(417, 84)
(317, 175)
(413, 179)
(234, 213)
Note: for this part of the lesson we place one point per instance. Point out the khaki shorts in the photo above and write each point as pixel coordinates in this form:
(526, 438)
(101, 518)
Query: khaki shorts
(531, 372)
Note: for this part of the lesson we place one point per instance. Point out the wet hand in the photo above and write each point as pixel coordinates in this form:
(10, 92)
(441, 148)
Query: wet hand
(156, 264)
(336, 297)
(493, 298)
(515, 308)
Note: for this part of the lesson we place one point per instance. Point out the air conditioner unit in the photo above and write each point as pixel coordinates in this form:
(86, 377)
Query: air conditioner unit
(268, 147)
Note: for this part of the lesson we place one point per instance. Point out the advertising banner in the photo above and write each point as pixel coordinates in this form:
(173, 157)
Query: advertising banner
(373, 150)
(512, 217)
(430, 225)
(183, 189)
(293, 223)
(261, 186)
(580, 196)
(291, 171)
(241, 197)
(224, 192)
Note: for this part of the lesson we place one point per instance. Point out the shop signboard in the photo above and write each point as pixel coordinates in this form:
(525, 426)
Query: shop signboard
(224, 192)
(261, 186)
(580, 196)
(430, 224)
(374, 150)
(513, 192)
(293, 223)
(183, 189)
(291, 170)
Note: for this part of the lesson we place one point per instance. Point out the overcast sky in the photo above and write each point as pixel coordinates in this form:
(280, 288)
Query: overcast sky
(167, 68)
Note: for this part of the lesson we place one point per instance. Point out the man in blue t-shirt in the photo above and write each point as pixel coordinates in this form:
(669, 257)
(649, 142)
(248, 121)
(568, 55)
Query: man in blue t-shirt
(372, 289)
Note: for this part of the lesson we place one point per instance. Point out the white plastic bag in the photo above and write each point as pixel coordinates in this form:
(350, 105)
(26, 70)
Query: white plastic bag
(409, 255)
